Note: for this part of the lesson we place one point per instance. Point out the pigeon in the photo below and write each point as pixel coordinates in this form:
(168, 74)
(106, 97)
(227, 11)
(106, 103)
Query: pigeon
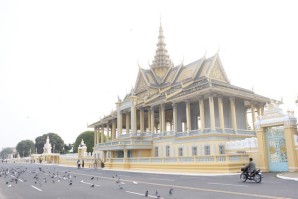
(92, 178)
(120, 187)
(171, 191)
(70, 183)
(92, 185)
(146, 193)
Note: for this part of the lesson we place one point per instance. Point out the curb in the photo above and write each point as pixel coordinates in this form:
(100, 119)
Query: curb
(286, 178)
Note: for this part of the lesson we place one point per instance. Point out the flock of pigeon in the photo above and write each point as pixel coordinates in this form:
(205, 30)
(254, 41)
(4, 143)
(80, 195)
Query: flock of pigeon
(14, 175)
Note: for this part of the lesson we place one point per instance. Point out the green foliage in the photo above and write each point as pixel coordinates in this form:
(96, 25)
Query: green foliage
(25, 147)
(67, 148)
(55, 140)
(5, 152)
(88, 137)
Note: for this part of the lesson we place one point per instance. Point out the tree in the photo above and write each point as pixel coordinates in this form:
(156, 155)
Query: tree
(88, 137)
(66, 148)
(5, 152)
(55, 140)
(25, 148)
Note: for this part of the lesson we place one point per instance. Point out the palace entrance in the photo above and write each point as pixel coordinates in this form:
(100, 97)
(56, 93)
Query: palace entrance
(276, 149)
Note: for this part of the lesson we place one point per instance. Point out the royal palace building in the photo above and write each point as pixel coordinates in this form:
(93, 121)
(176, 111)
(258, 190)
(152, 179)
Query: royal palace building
(178, 118)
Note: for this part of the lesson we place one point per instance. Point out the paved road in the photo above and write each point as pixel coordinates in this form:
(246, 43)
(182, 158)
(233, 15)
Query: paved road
(43, 181)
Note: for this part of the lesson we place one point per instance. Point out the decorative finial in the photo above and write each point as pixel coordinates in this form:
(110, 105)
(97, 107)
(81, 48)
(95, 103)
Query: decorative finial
(160, 18)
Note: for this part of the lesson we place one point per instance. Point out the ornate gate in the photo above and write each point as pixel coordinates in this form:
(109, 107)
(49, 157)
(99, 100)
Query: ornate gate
(276, 148)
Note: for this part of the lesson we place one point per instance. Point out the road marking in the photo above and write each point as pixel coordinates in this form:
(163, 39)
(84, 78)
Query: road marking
(20, 180)
(161, 179)
(90, 183)
(271, 182)
(197, 189)
(124, 176)
(36, 188)
(141, 194)
(192, 177)
(96, 173)
(228, 184)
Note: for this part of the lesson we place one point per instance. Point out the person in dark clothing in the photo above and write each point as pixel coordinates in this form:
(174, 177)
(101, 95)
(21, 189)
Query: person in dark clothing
(79, 164)
(251, 166)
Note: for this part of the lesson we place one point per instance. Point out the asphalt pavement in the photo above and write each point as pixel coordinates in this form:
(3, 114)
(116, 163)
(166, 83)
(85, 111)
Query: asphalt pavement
(35, 181)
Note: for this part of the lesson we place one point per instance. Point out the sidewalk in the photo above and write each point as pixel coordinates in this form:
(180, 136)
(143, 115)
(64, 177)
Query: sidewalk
(288, 176)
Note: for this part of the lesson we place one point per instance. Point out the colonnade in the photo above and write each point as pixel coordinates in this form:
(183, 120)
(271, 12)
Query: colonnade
(137, 116)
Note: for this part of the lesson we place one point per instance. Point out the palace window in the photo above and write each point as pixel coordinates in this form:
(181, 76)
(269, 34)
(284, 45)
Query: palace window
(167, 151)
(194, 150)
(180, 151)
(207, 150)
(156, 151)
(221, 149)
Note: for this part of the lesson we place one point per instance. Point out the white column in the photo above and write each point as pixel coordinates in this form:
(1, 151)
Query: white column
(97, 135)
(127, 122)
(102, 134)
(142, 120)
(262, 110)
(113, 129)
(119, 123)
(221, 114)
(133, 114)
(202, 113)
(152, 119)
(212, 117)
(162, 114)
(174, 117)
(233, 114)
(246, 121)
(188, 119)
(253, 115)
(149, 120)
(108, 132)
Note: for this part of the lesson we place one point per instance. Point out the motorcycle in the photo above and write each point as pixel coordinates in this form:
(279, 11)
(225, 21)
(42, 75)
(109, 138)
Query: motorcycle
(255, 176)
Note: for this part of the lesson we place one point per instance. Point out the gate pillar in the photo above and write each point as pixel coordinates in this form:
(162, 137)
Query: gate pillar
(290, 130)
(262, 149)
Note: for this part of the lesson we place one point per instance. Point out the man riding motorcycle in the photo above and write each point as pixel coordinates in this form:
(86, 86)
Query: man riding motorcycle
(251, 166)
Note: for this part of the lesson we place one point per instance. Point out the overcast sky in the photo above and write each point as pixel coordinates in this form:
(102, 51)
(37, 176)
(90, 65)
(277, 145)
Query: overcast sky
(63, 63)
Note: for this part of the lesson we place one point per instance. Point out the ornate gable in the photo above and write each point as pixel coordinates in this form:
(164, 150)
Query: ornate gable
(141, 83)
(216, 71)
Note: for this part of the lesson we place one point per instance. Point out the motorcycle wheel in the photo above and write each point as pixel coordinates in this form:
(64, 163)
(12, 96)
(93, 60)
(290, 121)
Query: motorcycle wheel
(258, 178)
(243, 177)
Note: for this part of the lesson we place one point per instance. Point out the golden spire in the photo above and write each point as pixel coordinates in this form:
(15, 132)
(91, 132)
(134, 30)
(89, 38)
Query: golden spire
(161, 58)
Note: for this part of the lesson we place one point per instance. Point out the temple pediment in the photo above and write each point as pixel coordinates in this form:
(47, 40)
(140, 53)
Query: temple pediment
(141, 84)
(216, 70)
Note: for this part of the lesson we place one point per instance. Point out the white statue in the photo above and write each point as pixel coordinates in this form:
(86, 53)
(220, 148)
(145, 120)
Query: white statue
(47, 146)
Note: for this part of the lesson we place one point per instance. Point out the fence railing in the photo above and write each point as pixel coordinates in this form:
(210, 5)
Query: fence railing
(185, 159)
